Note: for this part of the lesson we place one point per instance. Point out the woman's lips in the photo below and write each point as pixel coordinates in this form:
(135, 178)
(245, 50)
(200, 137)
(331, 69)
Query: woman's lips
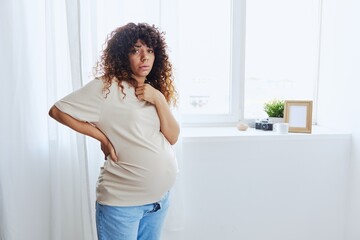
(144, 68)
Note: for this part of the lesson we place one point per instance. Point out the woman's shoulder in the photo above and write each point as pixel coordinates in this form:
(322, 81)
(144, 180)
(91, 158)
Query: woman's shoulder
(95, 82)
(101, 85)
(94, 86)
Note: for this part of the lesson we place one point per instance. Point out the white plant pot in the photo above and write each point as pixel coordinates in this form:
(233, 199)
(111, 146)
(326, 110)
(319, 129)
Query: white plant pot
(275, 120)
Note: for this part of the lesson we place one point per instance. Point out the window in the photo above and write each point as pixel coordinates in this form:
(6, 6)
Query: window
(282, 50)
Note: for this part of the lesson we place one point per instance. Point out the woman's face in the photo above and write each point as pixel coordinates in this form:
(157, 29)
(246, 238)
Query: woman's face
(141, 60)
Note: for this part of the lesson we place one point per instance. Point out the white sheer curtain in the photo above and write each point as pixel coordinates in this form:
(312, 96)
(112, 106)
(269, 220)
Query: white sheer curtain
(44, 177)
(24, 165)
(47, 172)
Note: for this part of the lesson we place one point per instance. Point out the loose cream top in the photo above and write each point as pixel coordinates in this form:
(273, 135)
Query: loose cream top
(146, 168)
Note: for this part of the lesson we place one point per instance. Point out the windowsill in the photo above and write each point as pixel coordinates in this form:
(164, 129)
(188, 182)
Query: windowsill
(232, 133)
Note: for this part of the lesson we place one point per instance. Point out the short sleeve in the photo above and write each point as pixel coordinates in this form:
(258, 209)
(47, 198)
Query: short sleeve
(85, 103)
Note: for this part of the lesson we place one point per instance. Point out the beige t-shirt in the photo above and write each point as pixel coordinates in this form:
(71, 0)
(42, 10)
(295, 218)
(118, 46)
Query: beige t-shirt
(146, 168)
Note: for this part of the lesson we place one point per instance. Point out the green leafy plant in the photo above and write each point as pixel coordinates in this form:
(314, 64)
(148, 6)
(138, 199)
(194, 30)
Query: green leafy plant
(274, 108)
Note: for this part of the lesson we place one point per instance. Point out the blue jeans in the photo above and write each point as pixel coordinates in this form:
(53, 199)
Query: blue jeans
(131, 223)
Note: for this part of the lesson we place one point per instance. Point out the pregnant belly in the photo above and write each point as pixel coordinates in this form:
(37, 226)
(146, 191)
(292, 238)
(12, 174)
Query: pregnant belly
(147, 172)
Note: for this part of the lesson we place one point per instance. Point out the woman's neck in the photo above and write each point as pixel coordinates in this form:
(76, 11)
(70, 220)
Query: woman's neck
(139, 79)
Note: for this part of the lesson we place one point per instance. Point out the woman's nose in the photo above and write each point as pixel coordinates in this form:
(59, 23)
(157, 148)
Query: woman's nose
(144, 57)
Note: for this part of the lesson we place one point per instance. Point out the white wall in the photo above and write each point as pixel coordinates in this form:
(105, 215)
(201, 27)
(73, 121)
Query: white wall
(265, 187)
(339, 87)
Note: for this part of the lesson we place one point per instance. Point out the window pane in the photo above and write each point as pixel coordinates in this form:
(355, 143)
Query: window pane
(205, 56)
(281, 52)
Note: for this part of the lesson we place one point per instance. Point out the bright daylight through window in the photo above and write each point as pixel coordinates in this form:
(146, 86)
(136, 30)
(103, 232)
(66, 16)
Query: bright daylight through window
(205, 38)
(282, 50)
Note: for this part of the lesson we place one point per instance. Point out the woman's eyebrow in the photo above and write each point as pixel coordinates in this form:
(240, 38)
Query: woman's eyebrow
(140, 46)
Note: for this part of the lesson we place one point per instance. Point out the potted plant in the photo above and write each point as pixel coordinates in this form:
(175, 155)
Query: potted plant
(275, 110)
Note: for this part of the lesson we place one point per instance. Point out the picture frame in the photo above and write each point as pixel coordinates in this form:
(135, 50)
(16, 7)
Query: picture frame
(298, 114)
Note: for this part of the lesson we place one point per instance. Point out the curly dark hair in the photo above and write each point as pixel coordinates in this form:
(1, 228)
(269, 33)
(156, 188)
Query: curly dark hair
(114, 61)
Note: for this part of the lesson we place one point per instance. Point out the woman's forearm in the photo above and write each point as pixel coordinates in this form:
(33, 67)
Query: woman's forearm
(168, 124)
(79, 126)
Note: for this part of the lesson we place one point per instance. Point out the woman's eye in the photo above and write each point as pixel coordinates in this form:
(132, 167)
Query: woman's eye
(135, 51)
(150, 51)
